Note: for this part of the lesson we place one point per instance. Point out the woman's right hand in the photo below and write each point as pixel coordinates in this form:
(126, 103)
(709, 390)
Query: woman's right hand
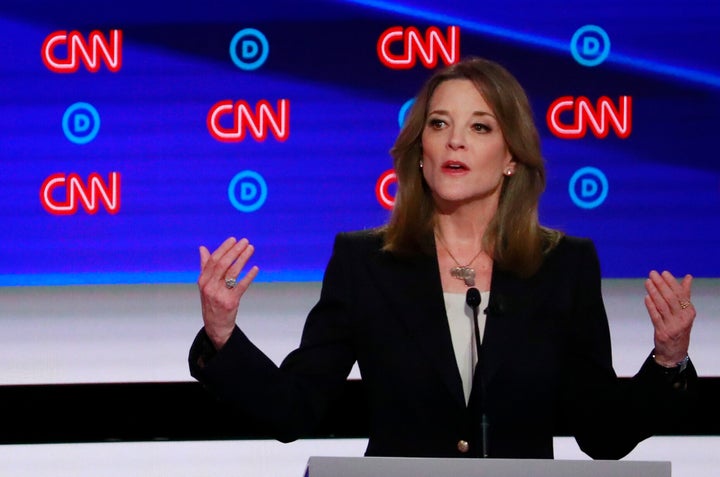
(219, 301)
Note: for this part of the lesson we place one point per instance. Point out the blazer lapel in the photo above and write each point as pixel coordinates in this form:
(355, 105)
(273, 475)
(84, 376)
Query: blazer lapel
(413, 289)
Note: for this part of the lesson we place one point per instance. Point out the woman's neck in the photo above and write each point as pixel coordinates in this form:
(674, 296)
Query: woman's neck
(464, 223)
(462, 227)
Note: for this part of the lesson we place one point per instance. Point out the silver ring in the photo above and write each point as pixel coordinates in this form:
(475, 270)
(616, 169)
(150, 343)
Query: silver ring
(230, 283)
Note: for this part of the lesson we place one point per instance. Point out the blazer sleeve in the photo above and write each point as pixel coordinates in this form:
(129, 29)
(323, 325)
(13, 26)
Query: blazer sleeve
(289, 400)
(609, 417)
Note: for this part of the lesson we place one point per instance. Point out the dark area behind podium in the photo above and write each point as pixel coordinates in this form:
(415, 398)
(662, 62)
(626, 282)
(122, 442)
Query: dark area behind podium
(185, 411)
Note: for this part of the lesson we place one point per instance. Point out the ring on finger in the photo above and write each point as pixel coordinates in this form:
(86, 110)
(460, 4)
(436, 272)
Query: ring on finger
(231, 282)
(684, 304)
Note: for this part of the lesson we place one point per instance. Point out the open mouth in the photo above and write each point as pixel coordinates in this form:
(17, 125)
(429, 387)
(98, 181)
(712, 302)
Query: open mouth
(455, 166)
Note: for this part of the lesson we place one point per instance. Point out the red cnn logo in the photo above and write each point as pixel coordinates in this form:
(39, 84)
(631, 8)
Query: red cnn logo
(428, 49)
(599, 118)
(77, 51)
(257, 122)
(382, 189)
(90, 196)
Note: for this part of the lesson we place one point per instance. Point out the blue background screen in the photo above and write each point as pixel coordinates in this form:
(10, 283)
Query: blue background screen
(649, 200)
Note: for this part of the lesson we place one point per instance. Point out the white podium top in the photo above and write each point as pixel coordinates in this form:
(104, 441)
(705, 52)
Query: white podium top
(430, 467)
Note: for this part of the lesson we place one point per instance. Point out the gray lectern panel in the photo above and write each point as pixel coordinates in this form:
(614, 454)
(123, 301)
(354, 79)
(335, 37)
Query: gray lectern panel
(427, 467)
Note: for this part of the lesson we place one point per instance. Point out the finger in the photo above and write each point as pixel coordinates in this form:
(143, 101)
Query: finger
(234, 259)
(667, 306)
(655, 294)
(204, 256)
(655, 316)
(679, 301)
(208, 268)
(237, 266)
(244, 284)
(686, 286)
(657, 307)
(663, 283)
(687, 304)
(685, 297)
(211, 266)
(223, 258)
(228, 244)
(673, 284)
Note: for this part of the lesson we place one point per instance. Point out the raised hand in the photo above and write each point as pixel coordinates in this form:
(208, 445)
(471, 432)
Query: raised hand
(221, 287)
(672, 314)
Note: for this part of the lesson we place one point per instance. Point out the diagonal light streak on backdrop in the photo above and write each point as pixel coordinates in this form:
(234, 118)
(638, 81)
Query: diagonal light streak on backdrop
(634, 62)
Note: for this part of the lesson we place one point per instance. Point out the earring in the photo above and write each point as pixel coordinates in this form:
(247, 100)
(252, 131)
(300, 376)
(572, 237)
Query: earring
(508, 172)
(421, 163)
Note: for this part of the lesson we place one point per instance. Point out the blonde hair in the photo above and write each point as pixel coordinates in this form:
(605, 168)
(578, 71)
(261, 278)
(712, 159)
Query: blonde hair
(514, 238)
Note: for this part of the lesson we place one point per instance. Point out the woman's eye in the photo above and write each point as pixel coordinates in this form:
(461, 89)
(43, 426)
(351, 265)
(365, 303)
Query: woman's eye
(436, 123)
(479, 127)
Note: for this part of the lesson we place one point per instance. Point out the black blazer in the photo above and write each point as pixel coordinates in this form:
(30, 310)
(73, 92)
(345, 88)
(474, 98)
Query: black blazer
(546, 361)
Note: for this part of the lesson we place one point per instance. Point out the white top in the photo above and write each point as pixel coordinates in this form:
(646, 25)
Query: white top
(460, 319)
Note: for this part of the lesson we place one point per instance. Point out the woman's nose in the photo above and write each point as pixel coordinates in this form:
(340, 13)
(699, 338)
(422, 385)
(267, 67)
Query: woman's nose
(456, 140)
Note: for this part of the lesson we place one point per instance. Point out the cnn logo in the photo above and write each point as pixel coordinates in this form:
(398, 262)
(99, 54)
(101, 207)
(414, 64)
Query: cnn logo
(429, 49)
(64, 52)
(243, 119)
(62, 194)
(385, 189)
(582, 115)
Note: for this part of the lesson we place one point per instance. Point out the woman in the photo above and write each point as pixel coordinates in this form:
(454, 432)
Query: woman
(395, 300)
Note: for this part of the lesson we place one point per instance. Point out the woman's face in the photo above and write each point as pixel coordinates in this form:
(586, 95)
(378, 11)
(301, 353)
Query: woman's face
(464, 151)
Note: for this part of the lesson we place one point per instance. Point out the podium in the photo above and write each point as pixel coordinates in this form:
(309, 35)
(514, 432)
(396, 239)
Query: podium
(441, 467)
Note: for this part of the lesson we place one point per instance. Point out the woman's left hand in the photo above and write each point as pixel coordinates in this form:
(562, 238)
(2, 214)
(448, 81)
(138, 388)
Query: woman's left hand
(672, 314)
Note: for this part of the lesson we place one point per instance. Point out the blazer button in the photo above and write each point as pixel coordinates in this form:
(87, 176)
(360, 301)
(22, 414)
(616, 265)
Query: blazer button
(463, 446)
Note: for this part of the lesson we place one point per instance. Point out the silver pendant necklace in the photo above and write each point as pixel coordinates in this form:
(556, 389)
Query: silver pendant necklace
(461, 272)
